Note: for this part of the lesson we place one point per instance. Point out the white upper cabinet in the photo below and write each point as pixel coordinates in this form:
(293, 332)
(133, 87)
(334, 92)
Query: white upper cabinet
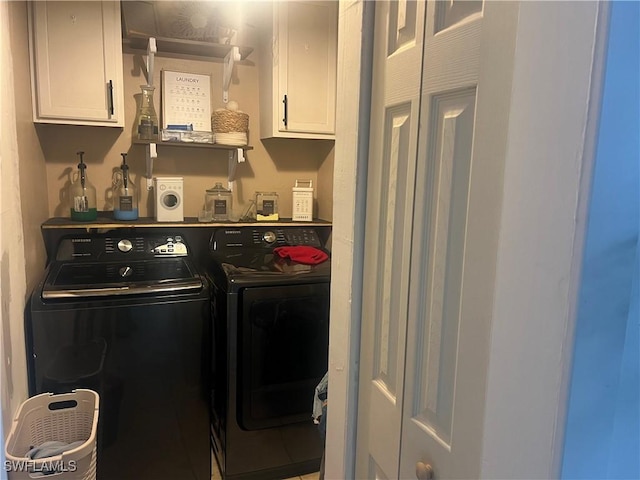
(298, 71)
(76, 63)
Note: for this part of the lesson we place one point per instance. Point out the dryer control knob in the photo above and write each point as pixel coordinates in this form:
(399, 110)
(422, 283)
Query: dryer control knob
(269, 237)
(125, 245)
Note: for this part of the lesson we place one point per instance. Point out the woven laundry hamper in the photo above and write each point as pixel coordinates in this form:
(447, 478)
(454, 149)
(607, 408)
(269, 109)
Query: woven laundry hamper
(65, 417)
(230, 127)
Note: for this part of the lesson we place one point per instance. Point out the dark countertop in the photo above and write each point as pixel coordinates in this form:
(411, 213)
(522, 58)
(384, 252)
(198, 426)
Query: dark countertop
(196, 233)
(105, 221)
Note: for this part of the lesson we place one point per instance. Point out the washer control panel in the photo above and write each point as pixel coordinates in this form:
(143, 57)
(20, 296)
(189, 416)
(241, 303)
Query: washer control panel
(115, 245)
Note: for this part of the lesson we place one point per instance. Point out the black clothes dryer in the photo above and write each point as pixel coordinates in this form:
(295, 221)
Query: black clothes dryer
(270, 343)
(127, 314)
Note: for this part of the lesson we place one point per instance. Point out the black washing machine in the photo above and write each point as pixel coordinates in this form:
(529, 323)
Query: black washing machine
(126, 314)
(270, 342)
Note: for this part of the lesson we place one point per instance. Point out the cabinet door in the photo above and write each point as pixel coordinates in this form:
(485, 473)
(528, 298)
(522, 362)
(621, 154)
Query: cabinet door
(76, 57)
(307, 68)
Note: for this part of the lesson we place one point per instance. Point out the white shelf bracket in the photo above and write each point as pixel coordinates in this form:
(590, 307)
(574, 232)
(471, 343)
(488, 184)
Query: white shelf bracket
(152, 153)
(236, 157)
(151, 51)
(231, 57)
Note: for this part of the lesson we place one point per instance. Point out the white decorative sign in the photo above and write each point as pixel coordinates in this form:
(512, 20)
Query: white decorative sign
(186, 100)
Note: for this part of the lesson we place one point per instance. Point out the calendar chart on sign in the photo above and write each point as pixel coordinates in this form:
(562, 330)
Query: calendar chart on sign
(186, 101)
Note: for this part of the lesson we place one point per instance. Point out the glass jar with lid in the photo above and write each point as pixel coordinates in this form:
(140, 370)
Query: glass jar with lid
(219, 202)
(267, 206)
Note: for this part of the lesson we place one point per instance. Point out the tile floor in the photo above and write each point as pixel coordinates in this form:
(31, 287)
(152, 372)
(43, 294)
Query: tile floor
(216, 474)
(309, 476)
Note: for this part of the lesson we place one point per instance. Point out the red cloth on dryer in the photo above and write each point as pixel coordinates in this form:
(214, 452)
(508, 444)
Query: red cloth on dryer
(302, 254)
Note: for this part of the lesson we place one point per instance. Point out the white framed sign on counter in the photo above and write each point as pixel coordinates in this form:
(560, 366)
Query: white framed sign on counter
(186, 100)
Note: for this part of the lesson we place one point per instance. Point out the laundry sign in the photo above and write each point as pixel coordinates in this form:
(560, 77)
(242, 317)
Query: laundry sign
(186, 101)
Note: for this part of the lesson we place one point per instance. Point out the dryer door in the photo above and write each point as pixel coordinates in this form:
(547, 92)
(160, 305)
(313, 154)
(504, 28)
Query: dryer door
(283, 353)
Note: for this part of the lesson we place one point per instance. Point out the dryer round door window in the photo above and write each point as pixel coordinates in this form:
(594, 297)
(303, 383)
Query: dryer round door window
(170, 200)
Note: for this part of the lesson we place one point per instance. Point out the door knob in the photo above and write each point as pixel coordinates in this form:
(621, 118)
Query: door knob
(424, 471)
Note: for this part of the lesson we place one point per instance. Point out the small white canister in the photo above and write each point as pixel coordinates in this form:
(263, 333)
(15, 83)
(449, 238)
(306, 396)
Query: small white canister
(303, 201)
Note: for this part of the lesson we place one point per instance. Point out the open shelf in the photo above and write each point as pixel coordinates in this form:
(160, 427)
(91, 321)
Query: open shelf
(185, 47)
(215, 146)
(236, 155)
(230, 55)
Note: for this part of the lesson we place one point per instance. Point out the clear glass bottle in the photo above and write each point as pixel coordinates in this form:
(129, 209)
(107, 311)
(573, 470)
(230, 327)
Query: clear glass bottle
(146, 123)
(82, 195)
(124, 194)
(218, 201)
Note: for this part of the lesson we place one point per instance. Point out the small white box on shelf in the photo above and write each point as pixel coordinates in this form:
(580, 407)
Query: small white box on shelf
(169, 195)
(186, 136)
(303, 201)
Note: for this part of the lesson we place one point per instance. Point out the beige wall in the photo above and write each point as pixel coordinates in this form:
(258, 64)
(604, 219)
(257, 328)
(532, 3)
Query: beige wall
(323, 192)
(32, 169)
(273, 165)
(23, 201)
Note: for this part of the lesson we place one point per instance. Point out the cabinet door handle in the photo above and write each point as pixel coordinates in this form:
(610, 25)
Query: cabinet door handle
(111, 97)
(286, 110)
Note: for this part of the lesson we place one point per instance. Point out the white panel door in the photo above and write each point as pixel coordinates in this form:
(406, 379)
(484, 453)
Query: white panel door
(468, 66)
(433, 210)
(392, 167)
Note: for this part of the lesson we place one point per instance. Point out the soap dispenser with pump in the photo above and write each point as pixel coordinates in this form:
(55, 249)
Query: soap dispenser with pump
(82, 195)
(124, 194)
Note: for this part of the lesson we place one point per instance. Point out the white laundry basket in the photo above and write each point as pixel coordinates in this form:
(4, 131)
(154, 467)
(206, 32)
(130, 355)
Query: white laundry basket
(65, 417)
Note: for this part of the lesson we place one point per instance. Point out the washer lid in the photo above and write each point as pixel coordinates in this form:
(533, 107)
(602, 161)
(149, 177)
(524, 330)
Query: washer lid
(88, 279)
